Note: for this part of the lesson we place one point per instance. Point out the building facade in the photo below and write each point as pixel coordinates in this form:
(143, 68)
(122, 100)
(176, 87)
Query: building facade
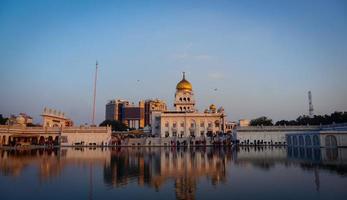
(134, 115)
(22, 119)
(128, 113)
(114, 109)
(151, 106)
(244, 122)
(185, 120)
(55, 118)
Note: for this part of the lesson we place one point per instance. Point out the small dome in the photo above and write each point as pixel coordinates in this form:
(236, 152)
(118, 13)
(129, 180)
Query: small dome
(213, 107)
(184, 84)
(20, 119)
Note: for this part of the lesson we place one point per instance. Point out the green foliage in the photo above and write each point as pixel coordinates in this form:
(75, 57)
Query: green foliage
(116, 125)
(3, 120)
(336, 117)
(261, 121)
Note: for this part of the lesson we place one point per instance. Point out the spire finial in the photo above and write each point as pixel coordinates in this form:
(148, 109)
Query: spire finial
(184, 75)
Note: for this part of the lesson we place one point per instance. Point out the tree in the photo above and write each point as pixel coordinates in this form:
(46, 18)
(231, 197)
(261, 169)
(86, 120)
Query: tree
(261, 121)
(336, 117)
(116, 125)
(3, 120)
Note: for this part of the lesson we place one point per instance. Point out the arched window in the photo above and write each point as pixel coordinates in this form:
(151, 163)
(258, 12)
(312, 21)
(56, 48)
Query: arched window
(188, 99)
(295, 140)
(184, 99)
(330, 141)
(174, 134)
(216, 123)
(174, 124)
(166, 124)
(192, 124)
(202, 133)
(289, 140)
(192, 133)
(308, 140)
(4, 139)
(331, 154)
(180, 98)
(315, 140)
(301, 140)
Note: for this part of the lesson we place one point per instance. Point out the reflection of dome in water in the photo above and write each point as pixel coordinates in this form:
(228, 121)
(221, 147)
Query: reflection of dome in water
(184, 84)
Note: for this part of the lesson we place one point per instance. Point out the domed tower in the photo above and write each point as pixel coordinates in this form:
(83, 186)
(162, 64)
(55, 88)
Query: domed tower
(184, 97)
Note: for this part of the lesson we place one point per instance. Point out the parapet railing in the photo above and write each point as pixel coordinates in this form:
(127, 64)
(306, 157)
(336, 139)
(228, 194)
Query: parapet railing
(17, 129)
(293, 128)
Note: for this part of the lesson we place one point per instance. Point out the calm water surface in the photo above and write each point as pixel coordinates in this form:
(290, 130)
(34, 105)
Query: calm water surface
(170, 173)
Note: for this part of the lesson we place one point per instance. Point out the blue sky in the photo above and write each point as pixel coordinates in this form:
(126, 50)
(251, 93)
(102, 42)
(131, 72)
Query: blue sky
(263, 56)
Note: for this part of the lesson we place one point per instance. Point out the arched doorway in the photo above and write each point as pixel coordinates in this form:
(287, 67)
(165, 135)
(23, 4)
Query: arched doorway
(330, 141)
(4, 140)
(50, 140)
(192, 128)
(34, 141)
(56, 140)
(41, 140)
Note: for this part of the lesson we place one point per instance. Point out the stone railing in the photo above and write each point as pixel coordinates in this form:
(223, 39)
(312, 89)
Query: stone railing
(51, 130)
(292, 128)
(278, 128)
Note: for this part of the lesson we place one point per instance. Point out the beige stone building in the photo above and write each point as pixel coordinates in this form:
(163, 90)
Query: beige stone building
(55, 118)
(244, 122)
(151, 106)
(185, 120)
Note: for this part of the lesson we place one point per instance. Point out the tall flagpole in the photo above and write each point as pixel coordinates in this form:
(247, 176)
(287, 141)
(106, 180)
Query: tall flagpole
(96, 75)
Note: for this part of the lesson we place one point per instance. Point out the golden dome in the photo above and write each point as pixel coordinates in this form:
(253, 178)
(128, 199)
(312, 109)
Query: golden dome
(213, 107)
(184, 84)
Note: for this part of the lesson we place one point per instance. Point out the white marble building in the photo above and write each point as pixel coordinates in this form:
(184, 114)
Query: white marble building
(184, 120)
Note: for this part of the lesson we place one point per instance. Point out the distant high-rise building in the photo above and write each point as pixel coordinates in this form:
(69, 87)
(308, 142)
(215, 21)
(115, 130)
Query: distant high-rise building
(129, 114)
(114, 109)
(153, 105)
(133, 115)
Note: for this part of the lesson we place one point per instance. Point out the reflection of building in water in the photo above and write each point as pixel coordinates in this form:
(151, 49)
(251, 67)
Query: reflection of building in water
(127, 164)
(14, 162)
(261, 156)
(185, 188)
(50, 162)
(156, 166)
